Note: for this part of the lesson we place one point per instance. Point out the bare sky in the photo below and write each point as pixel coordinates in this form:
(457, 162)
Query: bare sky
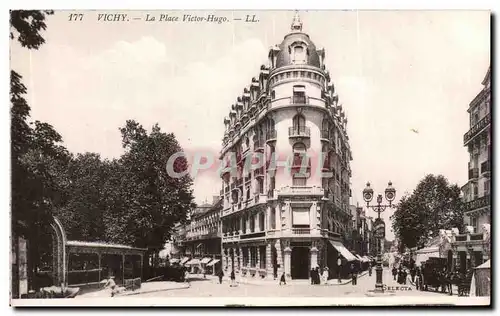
(394, 71)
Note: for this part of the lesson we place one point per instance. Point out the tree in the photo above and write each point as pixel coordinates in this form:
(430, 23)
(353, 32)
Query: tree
(152, 200)
(434, 204)
(37, 155)
(83, 213)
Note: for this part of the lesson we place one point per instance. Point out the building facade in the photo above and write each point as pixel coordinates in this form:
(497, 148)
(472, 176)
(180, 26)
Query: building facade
(199, 241)
(472, 247)
(478, 142)
(286, 220)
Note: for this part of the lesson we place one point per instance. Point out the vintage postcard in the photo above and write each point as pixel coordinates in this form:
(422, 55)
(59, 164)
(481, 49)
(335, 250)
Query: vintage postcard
(255, 158)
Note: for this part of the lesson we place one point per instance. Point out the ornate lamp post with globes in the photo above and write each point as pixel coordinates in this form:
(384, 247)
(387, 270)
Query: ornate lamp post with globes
(390, 195)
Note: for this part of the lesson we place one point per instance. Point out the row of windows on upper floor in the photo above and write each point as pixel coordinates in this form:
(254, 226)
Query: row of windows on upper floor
(480, 111)
(240, 110)
(249, 97)
(266, 131)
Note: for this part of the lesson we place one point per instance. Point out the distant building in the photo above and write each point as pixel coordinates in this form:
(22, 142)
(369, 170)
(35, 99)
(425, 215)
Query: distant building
(200, 239)
(472, 247)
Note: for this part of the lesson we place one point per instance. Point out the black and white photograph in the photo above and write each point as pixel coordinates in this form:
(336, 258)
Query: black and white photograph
(250, 158)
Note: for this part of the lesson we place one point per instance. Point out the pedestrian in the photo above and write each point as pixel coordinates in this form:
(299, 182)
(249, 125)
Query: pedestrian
(353, 275)
(394, 272)
(405, 276)
(317, 275)
(339, 269)
(325, 275)
(111, 285)
(413, 272)
(282, 279)
(220, 275)
(370, 269)
(312, 275)
(233, 278)
(186, 277)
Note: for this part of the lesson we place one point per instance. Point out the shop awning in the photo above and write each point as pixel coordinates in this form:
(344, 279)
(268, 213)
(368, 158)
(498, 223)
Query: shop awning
(213, 262)
(184, 260)
(343, 250)
(174, 260)
(205, 260)
(193, 262)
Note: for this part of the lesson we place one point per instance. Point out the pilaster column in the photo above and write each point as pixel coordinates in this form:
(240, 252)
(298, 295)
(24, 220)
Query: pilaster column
(240, 257)
(312, 216)
(288, 219)
(247, 228)
(269, 265)
(248, 257)
(314, 257)
(287, 263)
(258, 258)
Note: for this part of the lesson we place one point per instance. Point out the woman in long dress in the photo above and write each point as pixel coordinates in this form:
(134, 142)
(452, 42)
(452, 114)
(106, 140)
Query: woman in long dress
(325, 276)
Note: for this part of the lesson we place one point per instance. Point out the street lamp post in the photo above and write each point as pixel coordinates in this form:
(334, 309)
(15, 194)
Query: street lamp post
(390, 195)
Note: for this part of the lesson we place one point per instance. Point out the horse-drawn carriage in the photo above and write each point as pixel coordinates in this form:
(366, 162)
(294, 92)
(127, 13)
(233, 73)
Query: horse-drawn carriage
(434, 273)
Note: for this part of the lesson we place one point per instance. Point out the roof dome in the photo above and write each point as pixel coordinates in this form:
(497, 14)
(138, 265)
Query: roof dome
(297, 48)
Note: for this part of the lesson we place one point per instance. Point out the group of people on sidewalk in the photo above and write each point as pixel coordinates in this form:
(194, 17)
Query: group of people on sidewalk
(400, 275)
(319, 278)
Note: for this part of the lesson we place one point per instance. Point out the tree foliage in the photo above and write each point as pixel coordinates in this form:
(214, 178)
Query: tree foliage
(434, 204)
(129, 200)
(26, 27)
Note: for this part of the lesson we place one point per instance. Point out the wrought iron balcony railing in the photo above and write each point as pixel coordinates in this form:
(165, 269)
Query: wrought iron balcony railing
(478, 203)
(478, 127)
(473, 173)
(299, 131)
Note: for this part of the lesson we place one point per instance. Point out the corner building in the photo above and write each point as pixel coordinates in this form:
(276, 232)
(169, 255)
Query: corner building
(286, 220)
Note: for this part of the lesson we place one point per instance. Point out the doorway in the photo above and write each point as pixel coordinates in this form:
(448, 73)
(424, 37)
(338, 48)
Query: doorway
(300, 263)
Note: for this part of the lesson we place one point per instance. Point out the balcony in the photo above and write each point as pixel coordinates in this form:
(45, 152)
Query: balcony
(476, 236)
(259, 172)
(293, 191)
(301, 231)
(325, 136)
(477, 128)
(299, 131)
(258, 146)
(300, 99)
(260, 199)
(239, 182)
(253, 235)
(473, 173)
(485, 167)
(478, 203)
(271, 135)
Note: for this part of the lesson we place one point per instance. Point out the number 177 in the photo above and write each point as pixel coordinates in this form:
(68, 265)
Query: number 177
(76, 17)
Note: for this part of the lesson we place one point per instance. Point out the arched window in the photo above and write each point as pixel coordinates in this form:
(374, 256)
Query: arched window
(299, 122)
(272, 218)
(300, 174)
(261, 221)
(325, 128)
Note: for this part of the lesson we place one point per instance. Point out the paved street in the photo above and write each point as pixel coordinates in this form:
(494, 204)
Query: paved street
(211, 288)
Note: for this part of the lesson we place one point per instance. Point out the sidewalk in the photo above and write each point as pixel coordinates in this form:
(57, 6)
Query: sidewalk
(255, 281)
(147, 287)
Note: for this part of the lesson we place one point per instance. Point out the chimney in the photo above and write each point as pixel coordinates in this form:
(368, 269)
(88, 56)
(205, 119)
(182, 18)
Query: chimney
(215, 199)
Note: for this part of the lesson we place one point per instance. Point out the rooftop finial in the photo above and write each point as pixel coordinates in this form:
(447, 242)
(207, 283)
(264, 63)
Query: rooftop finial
(296, 23)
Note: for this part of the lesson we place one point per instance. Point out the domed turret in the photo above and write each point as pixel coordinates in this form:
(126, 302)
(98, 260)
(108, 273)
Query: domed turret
(297, 48)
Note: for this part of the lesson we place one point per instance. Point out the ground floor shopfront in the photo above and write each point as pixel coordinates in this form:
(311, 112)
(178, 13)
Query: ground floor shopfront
(269, 258)
(462, 251)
